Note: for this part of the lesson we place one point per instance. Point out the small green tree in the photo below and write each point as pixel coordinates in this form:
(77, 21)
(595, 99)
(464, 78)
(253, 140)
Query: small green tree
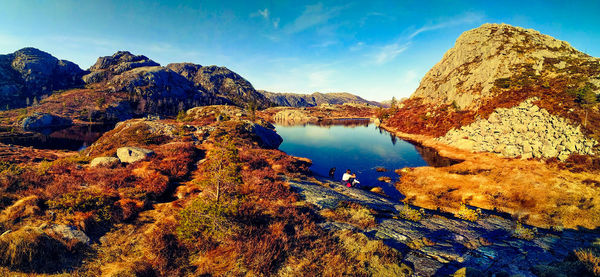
(587, 98)
(393, 104)
(223, 168)
(251, 107)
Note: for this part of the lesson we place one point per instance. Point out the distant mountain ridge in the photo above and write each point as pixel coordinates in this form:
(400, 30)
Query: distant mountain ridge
(315, 99)
(222, 82)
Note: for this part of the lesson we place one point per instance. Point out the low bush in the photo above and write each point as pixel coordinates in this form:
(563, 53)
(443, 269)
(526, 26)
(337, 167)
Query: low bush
(523, 232)
(467, 213)
(351, 213)
(591, 259)
(410, 213)
(372, 257)
(100, 205)
(30, 249)
(208, 218)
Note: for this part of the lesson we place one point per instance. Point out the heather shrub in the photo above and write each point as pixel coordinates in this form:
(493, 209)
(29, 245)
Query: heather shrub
(100, 205)
(372, 257)
(523, 232)
(412, 214)
(351, 213)
(30, 249)
(590, 259)
(163, 251)
(467, 213)
(212, 219)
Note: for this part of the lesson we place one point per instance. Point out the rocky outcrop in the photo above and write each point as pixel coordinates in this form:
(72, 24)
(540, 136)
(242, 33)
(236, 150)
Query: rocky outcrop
(524, 130)
(68, 234)
(152, 88)
(222, 82)
(315, 99)
(468, 71)
(108, 66)
(439, 244)
(293, 117)
(133, 154)
(29, 74)
(266, 137)
(44, 121)
(104, 162)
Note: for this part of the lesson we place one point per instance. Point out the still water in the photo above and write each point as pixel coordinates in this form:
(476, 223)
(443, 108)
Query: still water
(355, 145)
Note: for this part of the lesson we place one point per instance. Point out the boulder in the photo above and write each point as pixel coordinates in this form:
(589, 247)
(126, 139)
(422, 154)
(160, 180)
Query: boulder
(267, 138)
(133, 154)
(104, 162)
(69, 234)
(44, 121)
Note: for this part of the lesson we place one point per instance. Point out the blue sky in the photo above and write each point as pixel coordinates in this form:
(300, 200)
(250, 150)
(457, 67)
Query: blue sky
(375, 49)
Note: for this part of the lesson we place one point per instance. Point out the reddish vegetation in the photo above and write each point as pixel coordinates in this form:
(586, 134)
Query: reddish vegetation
(427, 119)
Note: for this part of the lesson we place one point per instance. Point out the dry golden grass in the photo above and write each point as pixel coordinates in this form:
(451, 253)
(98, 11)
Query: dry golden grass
(537, 193)
(591, 260)
(351, 213)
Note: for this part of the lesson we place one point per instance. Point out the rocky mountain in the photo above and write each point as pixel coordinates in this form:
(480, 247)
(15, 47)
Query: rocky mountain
(222, 82)
(315, 99)
(144, 78)
(481, 58)
(29, 74)
(511, 91)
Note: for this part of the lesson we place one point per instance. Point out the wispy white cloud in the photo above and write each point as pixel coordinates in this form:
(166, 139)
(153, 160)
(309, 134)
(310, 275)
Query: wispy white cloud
(313, 15)
(456, 21)
(325, 43)
(389, 52)
(266, 15)
(356, 47)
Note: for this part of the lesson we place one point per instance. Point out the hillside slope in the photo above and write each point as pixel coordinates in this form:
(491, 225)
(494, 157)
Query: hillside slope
(496, 67)
(223, 82)
(315, 99)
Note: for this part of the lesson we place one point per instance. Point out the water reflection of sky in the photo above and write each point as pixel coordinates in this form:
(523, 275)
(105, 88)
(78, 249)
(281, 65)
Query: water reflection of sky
(359, 148)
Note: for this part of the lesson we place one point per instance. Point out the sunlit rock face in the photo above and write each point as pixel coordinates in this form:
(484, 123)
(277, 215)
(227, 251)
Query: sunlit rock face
(467, 72)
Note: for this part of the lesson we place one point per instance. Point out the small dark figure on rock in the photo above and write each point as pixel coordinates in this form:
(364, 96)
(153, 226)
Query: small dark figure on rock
(331, 172)
(349, 178)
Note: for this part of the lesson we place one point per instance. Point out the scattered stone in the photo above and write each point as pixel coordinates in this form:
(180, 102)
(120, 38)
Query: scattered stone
(133, 154)
(524, 130)
(69, 234)
(105, 162)
(385, 179)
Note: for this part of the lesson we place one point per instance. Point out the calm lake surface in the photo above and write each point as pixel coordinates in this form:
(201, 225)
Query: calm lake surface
(74, 138)
(355, 145)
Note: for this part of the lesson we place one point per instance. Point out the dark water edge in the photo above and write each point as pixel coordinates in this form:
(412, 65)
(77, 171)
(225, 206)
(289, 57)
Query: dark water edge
(74, 138)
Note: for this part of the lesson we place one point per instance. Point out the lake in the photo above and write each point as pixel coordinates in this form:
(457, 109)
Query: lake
(74, 138)
(357, 145)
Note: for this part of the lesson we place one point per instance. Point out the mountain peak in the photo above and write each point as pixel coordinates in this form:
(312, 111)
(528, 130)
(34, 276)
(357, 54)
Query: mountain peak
(468, 71)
